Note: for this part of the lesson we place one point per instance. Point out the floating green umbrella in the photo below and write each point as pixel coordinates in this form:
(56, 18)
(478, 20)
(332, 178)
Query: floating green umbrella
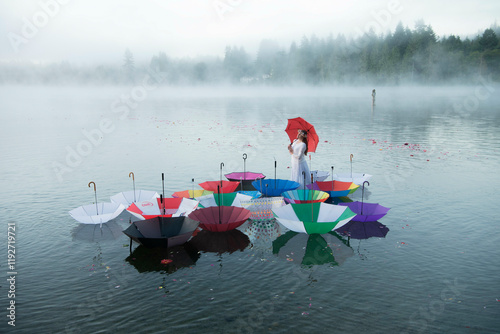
(313, 218)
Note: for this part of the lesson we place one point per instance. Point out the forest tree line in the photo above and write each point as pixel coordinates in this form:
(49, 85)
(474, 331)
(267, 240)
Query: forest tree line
(403, 56)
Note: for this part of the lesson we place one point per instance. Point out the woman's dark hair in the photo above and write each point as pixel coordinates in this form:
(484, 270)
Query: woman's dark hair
(304, 139)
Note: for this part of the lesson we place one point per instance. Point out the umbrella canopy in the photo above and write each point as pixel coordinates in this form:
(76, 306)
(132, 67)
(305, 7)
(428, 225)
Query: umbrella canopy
(192, 193)
(245, 178)
(305, 196)
(310, 250)
(220, 242)
(298, 123)
(318, 175)
(229, 199)
(363, 230)
(220, 186)
(128, 197)
(253, 193)
(357, 178)
(274, 187)
(261, 208)
(98, 213)
(334, 188)
(168, 207)
(366, 212)
(220, 218)
(161, 231)
(313, 217)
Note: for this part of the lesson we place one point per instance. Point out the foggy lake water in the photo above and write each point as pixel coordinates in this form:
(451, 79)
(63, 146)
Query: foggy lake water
(433, 153)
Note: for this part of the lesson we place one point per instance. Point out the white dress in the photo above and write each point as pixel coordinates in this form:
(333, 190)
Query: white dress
(299, 164)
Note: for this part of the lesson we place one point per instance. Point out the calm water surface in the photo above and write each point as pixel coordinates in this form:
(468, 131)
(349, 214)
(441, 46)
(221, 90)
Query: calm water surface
(433, 154)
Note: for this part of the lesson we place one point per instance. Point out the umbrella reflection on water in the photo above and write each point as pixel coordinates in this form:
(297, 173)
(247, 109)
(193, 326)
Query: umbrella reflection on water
(96, 233)
(312, 249)
(150, 259)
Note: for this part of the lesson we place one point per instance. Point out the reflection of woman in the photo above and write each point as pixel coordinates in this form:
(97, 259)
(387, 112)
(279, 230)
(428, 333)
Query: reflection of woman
(298, 150)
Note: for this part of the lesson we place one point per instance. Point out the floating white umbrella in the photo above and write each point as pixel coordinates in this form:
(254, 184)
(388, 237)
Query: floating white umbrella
(97, 213)
(128, 197)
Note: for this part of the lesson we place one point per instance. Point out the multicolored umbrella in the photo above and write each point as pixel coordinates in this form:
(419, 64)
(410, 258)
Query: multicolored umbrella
(298, 123)
(262, 208)
(165, 207)
(192, 193)
(161, 231)
(274, 187)
(97, 213)
(220, 218)
(363, 230)
(314, 249)
(313, 217)
(305, 196)
(229, 199)
(334, 188)
(245, 178)
(366, 212)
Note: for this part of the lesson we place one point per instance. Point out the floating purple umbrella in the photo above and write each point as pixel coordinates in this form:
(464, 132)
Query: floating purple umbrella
(245, 178)
(366, 212)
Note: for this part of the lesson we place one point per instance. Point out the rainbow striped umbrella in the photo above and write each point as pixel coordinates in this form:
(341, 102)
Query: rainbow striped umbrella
(305, 196)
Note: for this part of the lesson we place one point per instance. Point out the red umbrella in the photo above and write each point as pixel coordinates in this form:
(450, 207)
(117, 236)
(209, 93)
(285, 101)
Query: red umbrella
(220, 218)
(220, 186)
(298, 123)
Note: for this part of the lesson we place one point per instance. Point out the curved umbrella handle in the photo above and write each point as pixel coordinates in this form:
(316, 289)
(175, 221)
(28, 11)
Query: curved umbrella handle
(95, 195)
(352, 155)
(363, 194)
(244, 156)
(133, 182)
(221, 165)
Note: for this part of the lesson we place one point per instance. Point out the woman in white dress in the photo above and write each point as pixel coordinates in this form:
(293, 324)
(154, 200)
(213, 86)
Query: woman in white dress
(298, 151)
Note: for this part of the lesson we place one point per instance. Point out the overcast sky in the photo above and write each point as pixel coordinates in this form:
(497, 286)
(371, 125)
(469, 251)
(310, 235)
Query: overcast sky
(92, 31)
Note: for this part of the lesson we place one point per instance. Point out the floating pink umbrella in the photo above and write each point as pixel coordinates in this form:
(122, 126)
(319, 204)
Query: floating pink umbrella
(246, 178)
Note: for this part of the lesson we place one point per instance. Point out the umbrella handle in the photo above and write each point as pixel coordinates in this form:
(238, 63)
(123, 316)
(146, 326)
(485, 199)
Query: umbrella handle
(332, 178)
(363, 194)
(221, 165)
(133, 182)
(244, 167)
(351, 156)
(163, 184)
(95, 194)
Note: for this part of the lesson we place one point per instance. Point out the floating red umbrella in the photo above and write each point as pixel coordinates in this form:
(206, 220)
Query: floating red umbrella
(220, 218)
(298, 123)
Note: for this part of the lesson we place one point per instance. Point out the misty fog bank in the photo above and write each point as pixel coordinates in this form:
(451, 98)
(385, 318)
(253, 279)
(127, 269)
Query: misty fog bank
(406, 56)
